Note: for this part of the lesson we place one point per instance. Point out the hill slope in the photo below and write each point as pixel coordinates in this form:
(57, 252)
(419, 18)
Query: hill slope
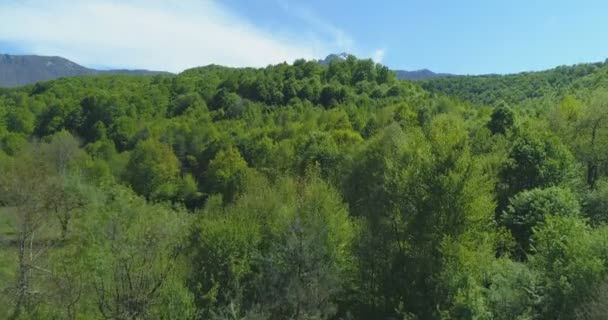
(523, 87)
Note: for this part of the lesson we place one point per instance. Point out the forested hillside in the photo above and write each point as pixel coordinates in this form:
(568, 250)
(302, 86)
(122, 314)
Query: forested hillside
(305, 192)
(530, 88)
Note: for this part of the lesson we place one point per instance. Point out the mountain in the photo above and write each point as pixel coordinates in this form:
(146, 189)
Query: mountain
(19, 70)
(423, 74)
(416, 75)
(332, 57)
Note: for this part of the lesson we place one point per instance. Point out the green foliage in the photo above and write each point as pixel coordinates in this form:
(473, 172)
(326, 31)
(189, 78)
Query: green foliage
(226, 172)
(511, 294)
(122, 132)
(12, 143)
(584, 128)
(443, 198)
(536, 160)
(523, 87)
(281, 249)
(528, 209)
(502, 120)
(451, 210)
(20, 120)
(188, 192)
(187, 103)
(152, 169)
(595, 306)
(80, 251)
(224, 99)
(131, 254)
(595, 205)
(571, 260)
(62, 151)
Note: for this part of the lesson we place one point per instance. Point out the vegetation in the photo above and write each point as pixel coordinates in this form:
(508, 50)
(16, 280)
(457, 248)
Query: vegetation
(305, 192)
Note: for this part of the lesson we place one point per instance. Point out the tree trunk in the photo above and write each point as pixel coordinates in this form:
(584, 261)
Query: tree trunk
(23, 279)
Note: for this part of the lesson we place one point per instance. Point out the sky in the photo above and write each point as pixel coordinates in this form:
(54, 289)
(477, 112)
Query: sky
(461, 37)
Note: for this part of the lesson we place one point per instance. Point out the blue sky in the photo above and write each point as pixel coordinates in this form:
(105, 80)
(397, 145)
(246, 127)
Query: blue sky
(465, 37)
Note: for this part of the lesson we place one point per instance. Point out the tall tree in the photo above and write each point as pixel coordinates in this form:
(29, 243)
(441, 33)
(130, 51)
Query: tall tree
(27, 191)
(282, 250)
(135, 270)
(153, 169)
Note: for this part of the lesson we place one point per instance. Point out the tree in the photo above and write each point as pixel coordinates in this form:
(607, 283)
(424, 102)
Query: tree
(451, 224)
(511, 292)
(280, 249)
(364, 70)
(593, 129)
(62, 151)
(528, 209)
(225, 99)
(99, 111)
(320, 148)
(502, 120)
(311, 90)
(225, 173)
(595, 307)
(370, 188)
(570, 258)
(187, 103)
(384, 74)
(332, 95)
(12, 143)
(309, 262)
(422, 191)
(595, 203)
(536, 160)
(583, 127)
(130, 258)
(122, 132)
(27, 191)
(20, 120)
(152, 169)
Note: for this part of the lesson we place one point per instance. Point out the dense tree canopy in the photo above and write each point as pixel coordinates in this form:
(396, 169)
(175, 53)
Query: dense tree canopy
(301, 191)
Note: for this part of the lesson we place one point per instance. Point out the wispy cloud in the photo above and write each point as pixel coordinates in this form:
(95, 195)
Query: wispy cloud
(157, 34)
(341, 41)
(378, 55)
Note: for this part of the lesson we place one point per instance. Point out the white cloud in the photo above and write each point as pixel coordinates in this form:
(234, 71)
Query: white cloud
(342, 40)
(378, 55)
(156, 34)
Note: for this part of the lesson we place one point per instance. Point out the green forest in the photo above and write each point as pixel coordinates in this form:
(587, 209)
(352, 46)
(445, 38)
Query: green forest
(301, 191)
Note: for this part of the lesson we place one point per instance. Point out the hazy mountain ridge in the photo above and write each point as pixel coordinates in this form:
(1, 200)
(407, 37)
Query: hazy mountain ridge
(424, 74)
(19, 70)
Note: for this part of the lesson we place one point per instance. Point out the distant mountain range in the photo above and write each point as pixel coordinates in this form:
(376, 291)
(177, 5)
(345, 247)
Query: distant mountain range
(19, 70)
(415, 75)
